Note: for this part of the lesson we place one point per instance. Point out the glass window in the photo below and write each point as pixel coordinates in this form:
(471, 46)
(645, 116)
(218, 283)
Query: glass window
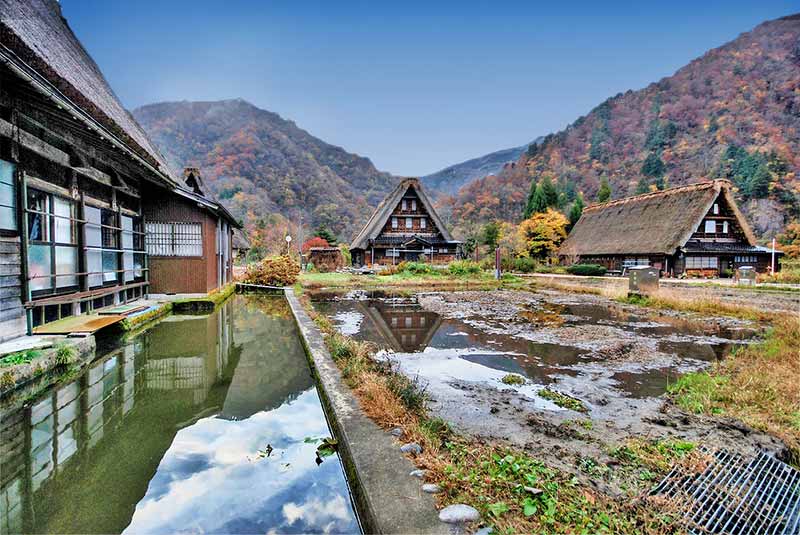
(716, 208)
(8, 197)
(66, 264)
(413, 205)
(394, 222)
(724, 227)
(109, 266)
(423, 223)
(39, 266)
(404, 205)
(174, 239)
(409, 222)
(109, 231)
(65, 227)
(38, 218)
(711, 226)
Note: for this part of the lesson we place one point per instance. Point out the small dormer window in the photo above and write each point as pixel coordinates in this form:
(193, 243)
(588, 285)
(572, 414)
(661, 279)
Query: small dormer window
(409, 222)
(405, 205)
(724, 227)
(413, 205)
(711, 226)
(395, 224)
(716, 208)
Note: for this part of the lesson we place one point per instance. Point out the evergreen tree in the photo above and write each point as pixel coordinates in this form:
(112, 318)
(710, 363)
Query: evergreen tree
(653, 166)
(326, 235)
(757, 187)
(604, 193)
(549, 192)
(576, 210)
(529, 202)
(539, 201)
(490, 234)
(642, 186)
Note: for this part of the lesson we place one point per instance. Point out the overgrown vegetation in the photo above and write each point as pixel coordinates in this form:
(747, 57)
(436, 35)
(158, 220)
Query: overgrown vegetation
(273, 271)
(65, 354)
(513, 379)
(758, 384)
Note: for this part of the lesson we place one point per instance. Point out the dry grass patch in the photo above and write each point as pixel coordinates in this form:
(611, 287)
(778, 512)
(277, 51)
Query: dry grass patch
(757, 384)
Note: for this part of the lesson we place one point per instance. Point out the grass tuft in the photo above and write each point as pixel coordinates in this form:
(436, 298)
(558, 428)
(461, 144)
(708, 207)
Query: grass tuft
(563, 400)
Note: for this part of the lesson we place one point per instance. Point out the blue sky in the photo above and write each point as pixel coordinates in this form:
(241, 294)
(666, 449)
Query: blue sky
(415, 86)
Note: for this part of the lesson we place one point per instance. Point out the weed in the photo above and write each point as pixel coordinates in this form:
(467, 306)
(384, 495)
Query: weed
(6, 380)
(513, 379)
(20, 357)
(563, 400)
(65, 354)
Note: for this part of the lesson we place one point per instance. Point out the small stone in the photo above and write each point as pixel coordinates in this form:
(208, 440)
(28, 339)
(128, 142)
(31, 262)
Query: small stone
(411, 447)
(431, 488)
(454, 514)
(418, 473)
(484, 531)
(533, 490)
(396, 432)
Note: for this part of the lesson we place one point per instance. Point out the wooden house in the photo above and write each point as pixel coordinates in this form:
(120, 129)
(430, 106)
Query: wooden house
(404, 227)
(76, 175)
(694, 230)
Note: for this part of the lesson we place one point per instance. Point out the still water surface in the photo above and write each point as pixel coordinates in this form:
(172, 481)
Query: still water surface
(163, 433)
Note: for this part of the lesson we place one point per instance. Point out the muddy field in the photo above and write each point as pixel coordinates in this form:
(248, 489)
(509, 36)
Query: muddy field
(610, 362)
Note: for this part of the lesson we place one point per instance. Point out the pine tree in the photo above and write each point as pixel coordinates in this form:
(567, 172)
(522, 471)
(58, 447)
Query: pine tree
(576, 210)
(604, 193)
(642, 186)
(529, 202)
(326, 235)
(539, 201)
(550, 193)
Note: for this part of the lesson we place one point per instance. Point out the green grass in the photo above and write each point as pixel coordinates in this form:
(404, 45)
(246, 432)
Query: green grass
(513, 379)
(563, 400)
(20, 357)
(698, 392)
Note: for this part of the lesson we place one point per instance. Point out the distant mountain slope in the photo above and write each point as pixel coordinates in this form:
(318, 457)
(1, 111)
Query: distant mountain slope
(259, 164)
(733, 113)
(451, 179)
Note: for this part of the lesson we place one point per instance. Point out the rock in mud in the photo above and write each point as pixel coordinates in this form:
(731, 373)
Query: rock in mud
(418, 473)
(411, 447)
(455, 514)
(431, 488)
(533, 490)
(484, 531)
(396, 432)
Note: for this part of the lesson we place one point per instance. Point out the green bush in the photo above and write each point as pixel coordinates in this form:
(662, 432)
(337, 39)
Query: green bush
(418, 268)
(461, 268)
(586, 269)
(273, 271)
(525, 265)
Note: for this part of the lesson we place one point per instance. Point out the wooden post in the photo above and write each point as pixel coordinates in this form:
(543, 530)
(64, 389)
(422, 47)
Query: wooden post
(23, 210)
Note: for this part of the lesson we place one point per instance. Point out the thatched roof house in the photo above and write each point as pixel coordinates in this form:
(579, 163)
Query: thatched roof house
(404, 226)
(694, 227)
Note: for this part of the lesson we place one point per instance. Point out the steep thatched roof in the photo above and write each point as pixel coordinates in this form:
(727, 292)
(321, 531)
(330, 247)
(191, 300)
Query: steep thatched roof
(384, 210)
(653, 223)
(35, 37)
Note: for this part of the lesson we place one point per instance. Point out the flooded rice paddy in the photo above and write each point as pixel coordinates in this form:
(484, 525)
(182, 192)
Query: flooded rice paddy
(616, 359)
(199, 424)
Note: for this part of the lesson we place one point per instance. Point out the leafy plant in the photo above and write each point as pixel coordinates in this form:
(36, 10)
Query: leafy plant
(563, 400)
(513, 379)
(65, 354)
(273, 271)
(586, 270)
(20, 357)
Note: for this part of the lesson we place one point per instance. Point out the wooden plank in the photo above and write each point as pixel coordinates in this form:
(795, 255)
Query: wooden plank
(87, 323)
(10, 269)
(33, 143)
(10, 291)
(10, 245)
(9, 281)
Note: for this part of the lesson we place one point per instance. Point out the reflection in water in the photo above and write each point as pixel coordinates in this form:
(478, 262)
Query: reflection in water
(448, 348)
(162, 435)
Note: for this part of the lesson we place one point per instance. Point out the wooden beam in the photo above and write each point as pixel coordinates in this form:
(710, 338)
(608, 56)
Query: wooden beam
(33, 143)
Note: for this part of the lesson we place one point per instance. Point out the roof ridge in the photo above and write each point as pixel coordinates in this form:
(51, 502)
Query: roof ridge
(675, 189)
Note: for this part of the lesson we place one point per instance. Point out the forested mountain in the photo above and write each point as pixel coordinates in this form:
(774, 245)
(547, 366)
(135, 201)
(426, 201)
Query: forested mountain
(733, 113)
(451, 179)
(265, 169)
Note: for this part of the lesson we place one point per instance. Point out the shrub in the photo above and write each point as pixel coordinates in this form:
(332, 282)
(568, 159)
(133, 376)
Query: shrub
(416, 268)
(273, 271)
(461, 268)
(586, 269)
(65, 354)
(525, 265)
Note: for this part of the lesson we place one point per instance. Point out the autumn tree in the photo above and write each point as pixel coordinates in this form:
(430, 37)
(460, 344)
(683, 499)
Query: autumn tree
(790, 240)
(542, 233)
(604, 193)
(316, 241)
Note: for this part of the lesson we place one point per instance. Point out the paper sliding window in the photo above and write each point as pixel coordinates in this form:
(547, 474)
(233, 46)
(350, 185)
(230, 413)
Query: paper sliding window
(174, 239)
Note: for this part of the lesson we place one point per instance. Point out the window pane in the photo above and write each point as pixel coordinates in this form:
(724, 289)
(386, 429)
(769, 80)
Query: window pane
(39, 264)
(138, 264)
(127, 265)
(127, 232)
(409, 222)
(93, 234)
(64, 228)
(8, 204)
(66, 262)
(109, 234)
(711, 227)
(38, 223)
(109, 266)
(94, 264)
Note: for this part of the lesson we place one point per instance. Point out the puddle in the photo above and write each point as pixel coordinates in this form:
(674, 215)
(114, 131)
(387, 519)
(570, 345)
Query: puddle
(610, 357)
(163, 434)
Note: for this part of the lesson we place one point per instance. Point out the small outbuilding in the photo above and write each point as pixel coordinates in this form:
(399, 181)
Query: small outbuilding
(694, 230)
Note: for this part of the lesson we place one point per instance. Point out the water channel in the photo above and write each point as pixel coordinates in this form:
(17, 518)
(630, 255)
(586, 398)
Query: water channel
(204, 423)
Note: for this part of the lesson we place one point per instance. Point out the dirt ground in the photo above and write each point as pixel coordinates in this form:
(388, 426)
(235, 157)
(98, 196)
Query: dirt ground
(611, 357)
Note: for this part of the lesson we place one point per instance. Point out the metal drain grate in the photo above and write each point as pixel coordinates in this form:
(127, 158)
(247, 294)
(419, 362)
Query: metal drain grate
(737, 495)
